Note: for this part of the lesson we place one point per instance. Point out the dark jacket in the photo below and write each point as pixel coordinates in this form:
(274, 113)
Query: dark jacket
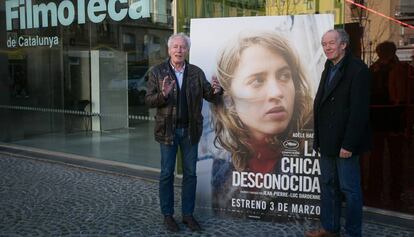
(197, 88)
(341, 112)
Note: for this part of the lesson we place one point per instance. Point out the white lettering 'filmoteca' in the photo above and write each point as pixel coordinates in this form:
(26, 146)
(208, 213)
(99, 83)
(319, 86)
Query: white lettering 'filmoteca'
(37, 15)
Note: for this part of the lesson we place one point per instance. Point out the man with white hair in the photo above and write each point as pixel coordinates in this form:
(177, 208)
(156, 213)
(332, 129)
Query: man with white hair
(177, 88)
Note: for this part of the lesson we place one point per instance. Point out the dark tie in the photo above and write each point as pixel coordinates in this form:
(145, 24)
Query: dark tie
(331, 75)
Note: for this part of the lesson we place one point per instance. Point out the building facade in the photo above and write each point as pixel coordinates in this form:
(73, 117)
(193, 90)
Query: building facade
(72, 76)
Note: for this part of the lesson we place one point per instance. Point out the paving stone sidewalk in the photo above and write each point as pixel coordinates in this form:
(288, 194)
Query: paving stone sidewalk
(39, 198)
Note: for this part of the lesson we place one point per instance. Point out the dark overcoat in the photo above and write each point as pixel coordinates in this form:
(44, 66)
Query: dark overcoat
(341, 110)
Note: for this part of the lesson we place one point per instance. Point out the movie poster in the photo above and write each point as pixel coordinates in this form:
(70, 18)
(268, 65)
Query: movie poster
(255, 156)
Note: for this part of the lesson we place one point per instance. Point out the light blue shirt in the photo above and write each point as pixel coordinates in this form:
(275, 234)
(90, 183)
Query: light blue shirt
(179, 74)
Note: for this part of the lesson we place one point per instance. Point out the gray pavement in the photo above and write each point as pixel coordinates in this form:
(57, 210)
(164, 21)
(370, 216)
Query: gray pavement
(42, 198)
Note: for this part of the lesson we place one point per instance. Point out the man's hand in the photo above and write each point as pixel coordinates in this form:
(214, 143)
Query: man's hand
(216, 85)
(345, 153)
(167, 85)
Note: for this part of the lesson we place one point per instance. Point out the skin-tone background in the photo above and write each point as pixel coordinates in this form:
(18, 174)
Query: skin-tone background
(263, 92)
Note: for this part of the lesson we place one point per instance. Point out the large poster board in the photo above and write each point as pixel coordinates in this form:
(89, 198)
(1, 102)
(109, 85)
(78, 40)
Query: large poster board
(255, 155)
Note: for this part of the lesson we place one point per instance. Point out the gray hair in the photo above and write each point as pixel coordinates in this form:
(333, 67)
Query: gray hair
(343, 35)
(179, 35)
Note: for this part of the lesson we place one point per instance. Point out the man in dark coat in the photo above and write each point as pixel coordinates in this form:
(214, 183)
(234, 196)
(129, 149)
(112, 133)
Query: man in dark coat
(341, 125)
(177, 88)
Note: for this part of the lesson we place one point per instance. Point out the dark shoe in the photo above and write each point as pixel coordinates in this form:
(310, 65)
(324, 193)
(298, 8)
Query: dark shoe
(320, 233)
(191, 223)
(170, 223)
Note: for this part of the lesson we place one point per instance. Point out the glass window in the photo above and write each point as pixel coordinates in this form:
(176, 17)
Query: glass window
(381, 33)
(73, 75)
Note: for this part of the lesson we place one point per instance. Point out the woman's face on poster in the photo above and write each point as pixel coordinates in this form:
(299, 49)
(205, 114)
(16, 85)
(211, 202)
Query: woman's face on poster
(263, 92)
